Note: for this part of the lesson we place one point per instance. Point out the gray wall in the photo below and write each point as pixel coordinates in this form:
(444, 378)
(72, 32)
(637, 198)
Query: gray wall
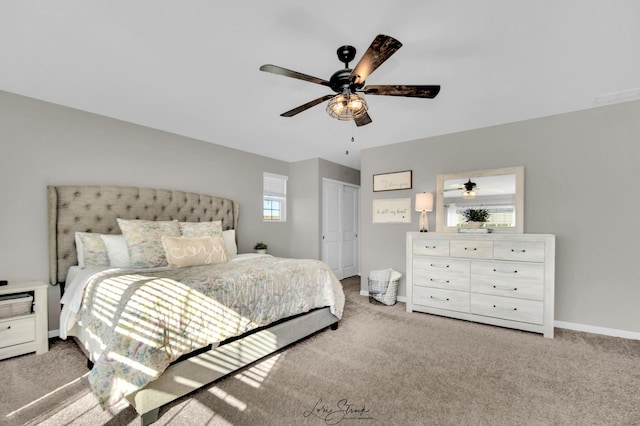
(44, 144)
(306, 199)
(305, 205)
(581, 170)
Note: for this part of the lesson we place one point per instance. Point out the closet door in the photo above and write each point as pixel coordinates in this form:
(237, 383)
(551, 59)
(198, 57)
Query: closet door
(340, 228)
(349, 258)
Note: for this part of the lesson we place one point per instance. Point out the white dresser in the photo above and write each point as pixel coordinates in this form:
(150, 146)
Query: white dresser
(500, 279)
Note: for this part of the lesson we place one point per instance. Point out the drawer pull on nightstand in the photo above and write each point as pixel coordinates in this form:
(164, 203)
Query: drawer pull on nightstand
(438, 266)
(430, 247)
(503, 287)
(471, 248)
(440, 298)
(505, 272)
(6, 328)
(518, 251)
(505, 308)
(439, 281)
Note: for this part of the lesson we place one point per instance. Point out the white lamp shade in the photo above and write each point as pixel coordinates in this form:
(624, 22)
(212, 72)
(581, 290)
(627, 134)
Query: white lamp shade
(424, 202)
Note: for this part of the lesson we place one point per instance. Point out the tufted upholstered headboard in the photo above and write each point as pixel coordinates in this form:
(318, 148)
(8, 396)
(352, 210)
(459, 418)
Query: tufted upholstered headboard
(96, 208)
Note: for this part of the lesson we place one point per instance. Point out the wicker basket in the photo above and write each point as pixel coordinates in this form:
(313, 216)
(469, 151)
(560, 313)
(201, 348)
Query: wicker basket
(384, 292)
(12, 305)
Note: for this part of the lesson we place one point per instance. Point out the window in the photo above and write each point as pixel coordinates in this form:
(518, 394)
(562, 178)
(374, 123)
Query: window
(500, 215)
(274, 197)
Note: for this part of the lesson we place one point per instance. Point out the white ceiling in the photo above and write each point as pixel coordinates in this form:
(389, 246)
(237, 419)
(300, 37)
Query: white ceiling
(191, 67)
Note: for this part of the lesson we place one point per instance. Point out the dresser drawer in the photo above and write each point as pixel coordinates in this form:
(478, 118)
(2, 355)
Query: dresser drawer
(439, 298)
(451, 274)
(526, 251)
(431, 247)
(509, 308)
(472, 248)
(17, 331)
(521, 280)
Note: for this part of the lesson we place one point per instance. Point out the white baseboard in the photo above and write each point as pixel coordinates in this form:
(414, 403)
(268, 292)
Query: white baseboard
(598, 330)
(569, 325)
(54, 333)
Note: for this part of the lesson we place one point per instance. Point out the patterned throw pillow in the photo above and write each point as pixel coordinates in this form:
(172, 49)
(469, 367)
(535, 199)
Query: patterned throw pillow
(201, 229)
(91, 250)
(144, 240)
(182, 252)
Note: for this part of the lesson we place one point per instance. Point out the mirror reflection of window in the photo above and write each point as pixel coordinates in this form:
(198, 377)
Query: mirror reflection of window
(499, 216)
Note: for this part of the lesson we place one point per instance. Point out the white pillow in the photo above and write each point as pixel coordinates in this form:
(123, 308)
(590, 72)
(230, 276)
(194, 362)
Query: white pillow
(117, 250)
(229, 237)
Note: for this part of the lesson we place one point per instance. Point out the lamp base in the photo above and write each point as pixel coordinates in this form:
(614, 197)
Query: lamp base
(424, 222)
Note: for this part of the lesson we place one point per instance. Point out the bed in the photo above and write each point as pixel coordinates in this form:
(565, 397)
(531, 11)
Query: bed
(155, 332)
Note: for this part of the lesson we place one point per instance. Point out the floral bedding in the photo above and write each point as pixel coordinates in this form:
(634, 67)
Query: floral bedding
(146, 320)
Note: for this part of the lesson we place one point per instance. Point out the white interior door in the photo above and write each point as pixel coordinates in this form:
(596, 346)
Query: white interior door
(349, 252)
(340, 228)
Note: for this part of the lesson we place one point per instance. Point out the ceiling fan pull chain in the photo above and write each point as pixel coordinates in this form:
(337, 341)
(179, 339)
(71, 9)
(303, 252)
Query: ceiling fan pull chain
(352, 140)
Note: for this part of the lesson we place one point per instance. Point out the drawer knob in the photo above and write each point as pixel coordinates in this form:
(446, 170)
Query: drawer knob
(505, 272)
(430, 247)
(440, 298)
(502, 287)
(439, 281)
(505, 308)
(438, 266)
(471, 248)
(518, 251)
(7, 328)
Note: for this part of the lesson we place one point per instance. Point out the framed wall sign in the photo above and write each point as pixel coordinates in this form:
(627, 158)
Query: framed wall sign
(396, 210)
(392, 181)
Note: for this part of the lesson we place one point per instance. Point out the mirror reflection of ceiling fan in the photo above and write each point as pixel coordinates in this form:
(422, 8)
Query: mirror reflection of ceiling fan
(468, 188)
(471, 189)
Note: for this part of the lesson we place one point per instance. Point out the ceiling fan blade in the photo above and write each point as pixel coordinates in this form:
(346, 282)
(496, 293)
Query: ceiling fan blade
(306, 106)
(403, 90)
(363, 120)
(293, 74)
(381, 49)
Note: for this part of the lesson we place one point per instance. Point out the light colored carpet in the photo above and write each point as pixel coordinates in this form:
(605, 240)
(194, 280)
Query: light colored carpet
(382, 366)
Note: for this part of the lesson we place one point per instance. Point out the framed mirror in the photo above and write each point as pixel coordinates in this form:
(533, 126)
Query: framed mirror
(500, 191)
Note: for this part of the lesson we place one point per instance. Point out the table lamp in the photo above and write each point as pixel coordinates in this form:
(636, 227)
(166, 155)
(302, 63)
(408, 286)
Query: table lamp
(424, 204)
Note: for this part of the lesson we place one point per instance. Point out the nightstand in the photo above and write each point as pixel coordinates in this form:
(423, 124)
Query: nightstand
(28, 332)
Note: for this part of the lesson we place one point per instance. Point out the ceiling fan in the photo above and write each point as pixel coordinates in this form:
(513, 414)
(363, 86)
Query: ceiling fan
(472, 189)
(348, 83)
(469, 188)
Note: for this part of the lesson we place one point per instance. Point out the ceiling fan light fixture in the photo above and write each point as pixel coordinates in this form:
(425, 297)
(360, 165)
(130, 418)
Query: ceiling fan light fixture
(469, 194)
(346, 108)
(470, 190)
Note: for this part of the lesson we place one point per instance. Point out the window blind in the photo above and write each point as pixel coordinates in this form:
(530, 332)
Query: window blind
(275, 185)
